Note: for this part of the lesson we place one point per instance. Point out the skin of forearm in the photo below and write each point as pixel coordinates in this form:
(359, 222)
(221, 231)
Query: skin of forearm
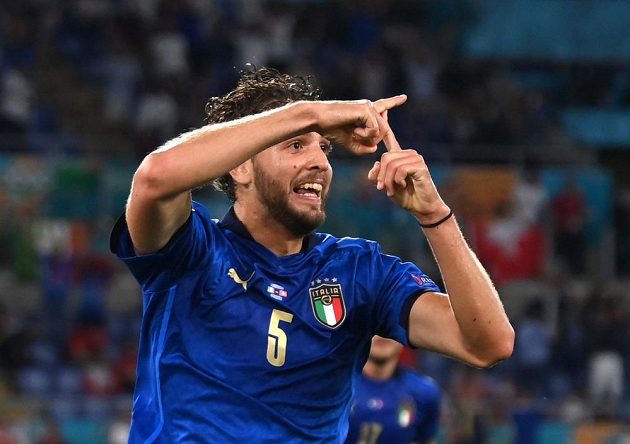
(473, 298)
(201, 155)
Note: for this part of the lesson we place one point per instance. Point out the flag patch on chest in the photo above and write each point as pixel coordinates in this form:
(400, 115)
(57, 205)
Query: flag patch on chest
(329, 307)
(277, 292)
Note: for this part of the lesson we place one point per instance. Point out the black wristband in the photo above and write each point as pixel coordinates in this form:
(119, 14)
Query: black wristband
(435, 224)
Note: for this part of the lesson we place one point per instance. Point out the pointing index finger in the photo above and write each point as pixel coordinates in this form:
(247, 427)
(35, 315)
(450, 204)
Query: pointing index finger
(386, 104)
(389, 139)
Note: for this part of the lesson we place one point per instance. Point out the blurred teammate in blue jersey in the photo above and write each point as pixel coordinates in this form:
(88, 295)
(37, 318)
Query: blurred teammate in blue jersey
(393, 404)
(255, 326)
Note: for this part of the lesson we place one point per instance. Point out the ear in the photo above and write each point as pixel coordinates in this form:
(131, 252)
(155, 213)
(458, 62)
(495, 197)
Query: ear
(243, 174)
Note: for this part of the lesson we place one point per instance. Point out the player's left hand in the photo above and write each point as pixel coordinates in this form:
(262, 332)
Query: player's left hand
(404, 176)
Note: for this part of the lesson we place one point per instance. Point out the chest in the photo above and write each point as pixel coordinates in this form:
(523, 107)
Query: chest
(278, 318)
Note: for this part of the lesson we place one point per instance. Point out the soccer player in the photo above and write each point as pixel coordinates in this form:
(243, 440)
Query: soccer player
(393, 404)
(255, 326)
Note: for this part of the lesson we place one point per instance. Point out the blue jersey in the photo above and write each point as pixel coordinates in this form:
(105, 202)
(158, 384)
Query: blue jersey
(402, 409)
(240, 344)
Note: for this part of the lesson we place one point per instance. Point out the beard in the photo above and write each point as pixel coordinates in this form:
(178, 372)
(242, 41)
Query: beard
(275, 198)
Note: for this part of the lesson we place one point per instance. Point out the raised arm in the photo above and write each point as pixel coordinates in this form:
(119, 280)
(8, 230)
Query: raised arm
(160, 198)
(469, 323)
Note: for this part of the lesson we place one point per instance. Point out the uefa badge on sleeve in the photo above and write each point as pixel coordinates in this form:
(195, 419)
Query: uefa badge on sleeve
(327, 301)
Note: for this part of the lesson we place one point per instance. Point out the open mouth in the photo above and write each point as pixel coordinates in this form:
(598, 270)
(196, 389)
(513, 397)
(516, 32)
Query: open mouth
(309, 190)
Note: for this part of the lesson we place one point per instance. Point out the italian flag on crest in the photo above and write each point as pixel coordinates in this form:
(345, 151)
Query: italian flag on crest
(406, 413)
(329, 307)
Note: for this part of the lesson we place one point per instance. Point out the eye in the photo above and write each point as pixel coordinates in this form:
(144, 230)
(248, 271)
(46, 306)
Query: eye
(297, 145)
(326, 148)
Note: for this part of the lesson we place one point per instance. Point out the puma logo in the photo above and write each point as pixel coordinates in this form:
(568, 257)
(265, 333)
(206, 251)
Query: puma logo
(234, 275)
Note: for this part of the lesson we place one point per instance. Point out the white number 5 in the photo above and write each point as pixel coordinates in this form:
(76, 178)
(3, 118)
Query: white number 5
(277, 338)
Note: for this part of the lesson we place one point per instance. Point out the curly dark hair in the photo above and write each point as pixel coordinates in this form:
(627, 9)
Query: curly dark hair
(258, 90)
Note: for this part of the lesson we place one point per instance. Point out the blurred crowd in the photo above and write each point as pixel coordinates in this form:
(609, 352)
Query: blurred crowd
(141, 71)
(113, 79)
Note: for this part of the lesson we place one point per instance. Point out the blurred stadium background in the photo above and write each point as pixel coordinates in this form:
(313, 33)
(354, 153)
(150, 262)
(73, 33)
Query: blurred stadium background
(521, 109)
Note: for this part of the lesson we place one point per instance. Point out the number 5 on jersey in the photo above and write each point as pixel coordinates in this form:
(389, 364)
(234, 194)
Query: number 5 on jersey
(277, 338)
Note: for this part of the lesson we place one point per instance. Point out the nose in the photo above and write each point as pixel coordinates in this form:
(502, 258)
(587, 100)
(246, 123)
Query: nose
(318, 160)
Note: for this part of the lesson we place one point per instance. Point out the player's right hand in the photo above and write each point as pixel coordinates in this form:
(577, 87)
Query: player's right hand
(404, 176)
(355, 124)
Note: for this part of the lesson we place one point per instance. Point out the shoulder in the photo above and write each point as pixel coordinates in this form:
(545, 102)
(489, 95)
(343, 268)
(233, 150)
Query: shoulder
(422, 385)
(200, 216)
(199, 210)
(349, 244)
(365, 251)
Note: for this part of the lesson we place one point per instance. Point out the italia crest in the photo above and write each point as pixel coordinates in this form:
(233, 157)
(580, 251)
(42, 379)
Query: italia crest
(328, 305)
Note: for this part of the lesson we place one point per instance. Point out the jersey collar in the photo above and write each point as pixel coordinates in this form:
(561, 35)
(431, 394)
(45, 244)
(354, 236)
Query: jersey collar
(233, 223)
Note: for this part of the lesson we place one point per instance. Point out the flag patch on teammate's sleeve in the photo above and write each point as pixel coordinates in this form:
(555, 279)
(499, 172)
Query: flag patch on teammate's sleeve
(277, 292)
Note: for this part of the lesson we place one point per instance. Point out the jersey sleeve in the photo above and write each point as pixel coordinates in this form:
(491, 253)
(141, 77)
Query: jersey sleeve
(188, 249)
(399, 285)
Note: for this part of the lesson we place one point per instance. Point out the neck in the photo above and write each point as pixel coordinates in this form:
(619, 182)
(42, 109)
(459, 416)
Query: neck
(266, 231)
(380, 369)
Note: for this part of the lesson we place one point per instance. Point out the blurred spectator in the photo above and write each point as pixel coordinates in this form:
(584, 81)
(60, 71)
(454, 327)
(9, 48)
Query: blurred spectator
(25, 351)
(157, 115)
(118, 431)
(373, 78)
(606, 345)
(169, 48)
(540, 118)
(52, 434)
(99, 379)
(533, 350)
(574, 408)
(421, 68)
(470, 389)
(121, 74)
(57, 276)
(530, 196)
(124, 366)
(570, 217)
(94, 273)
(14, 352)
(16, 92)
(622, 231)
(568, 353)
(155, 120)
(280, 29)
(528, 416)
(88, 342)
(9, 433)
(251, 44)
